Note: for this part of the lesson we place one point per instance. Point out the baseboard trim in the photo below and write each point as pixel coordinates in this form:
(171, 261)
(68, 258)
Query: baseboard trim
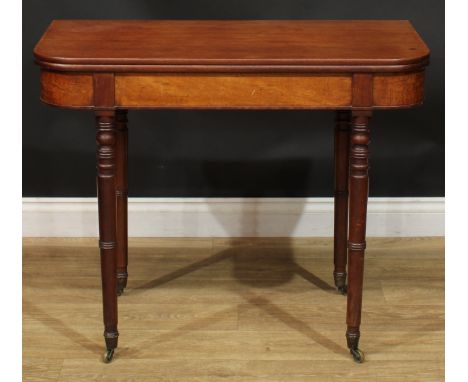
(232, 217)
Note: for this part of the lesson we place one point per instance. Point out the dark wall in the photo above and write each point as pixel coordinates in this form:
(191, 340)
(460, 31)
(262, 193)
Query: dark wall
(234, 153)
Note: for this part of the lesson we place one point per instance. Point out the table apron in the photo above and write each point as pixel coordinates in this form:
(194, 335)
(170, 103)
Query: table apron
(231, 91)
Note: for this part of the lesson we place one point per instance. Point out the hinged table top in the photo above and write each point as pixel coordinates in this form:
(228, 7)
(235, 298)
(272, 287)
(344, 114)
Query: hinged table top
(256, 45)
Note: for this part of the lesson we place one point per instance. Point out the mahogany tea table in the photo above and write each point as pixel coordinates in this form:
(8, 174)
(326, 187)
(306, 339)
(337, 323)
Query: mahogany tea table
(353, 67)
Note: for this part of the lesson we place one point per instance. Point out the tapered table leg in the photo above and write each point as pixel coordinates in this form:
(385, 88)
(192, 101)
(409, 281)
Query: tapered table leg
(340, 251)
(358, 193)
(106, 142)
(121, 193)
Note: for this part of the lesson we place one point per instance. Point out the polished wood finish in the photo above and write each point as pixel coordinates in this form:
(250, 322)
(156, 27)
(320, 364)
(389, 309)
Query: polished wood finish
(398, 90)
(358, 193)
(232, 91)
(238, 46)
(302, 60)
(121, 193)
(340, 245)
(67, 89)
(351, 66)
(203, 309)
(362, 90)
(136, 91)
(106, 183)
(103, 89)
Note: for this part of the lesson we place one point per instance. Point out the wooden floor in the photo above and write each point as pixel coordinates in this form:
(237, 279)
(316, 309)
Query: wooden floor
(233, 309)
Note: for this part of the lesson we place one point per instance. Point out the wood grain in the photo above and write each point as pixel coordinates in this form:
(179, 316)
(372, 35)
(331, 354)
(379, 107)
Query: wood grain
(232, 64)
(238, 309)
(398, 90)
(232, 91)
(106, 136)
(104, 96)
(341, 181)
(359, 140)
(362, 90)
(121, 194)
(232, 45)
(66, 89)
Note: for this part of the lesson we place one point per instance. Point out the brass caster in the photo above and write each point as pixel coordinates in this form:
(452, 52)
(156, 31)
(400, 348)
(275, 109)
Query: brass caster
(108, 355)
(358, 355)
(121, 284)
(343, 290)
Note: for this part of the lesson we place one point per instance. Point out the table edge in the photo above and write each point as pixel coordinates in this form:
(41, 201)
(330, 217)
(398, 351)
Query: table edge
(394, 67)
(240, 65)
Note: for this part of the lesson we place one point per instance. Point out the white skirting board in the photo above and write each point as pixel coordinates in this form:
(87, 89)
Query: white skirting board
(232, 217)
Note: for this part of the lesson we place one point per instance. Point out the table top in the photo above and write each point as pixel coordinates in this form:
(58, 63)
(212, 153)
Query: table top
(222, 45)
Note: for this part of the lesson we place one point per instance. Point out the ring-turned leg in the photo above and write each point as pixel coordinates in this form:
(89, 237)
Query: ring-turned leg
(358, 193)
(340, 257)
(121, 195)
(106, 168)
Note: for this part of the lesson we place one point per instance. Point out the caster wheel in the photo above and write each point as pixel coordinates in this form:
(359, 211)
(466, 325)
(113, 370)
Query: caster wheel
(121, 284)
(108, 355)
(358, 355)
(343, 290)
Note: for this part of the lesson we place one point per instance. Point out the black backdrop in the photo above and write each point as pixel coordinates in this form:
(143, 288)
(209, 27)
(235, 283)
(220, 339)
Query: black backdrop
(233, 153)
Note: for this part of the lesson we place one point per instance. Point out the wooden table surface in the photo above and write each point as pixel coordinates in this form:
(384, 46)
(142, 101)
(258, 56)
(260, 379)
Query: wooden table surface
(369, 45)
